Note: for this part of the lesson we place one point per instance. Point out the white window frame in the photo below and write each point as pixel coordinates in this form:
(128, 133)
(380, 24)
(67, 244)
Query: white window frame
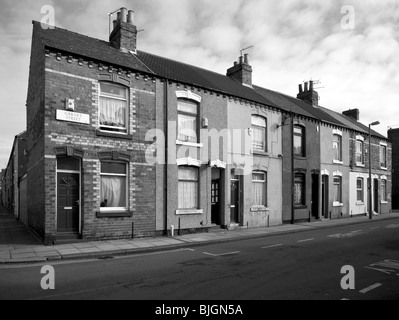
(338, 203)
(385, 167)
(264, 182)
(361, 201)
(190, 211)
(107, 209)
(110, 96)
(337, 133)
(384, 199)
(197, 143)
(265, 135)
(360, 163)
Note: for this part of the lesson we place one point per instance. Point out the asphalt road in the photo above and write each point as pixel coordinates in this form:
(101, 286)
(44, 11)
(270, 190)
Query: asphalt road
(299, 266)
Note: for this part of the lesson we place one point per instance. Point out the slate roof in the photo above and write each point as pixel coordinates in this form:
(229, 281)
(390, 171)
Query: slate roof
(101, 51)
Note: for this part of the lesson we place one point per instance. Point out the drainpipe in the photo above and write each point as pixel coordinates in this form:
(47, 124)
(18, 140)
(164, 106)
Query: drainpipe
(166, 128)
(292, 170)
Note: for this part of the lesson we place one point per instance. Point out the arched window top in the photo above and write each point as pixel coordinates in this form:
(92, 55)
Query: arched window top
(187, 94)
(360, 138)
(259, 121)
(337, 132)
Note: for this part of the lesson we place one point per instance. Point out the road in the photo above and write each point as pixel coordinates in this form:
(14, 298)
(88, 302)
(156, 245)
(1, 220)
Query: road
(298, 266)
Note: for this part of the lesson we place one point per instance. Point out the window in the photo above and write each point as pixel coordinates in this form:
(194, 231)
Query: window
(113, 186)
(113, 107)
(259, 136)
(188, 188)
(359, 189)
(337, 189)
(299, 141)
(187, 122)
(299, 190)
(359, 152)
(383, 156)
(383, 190)
(259, 191)
(337, 146)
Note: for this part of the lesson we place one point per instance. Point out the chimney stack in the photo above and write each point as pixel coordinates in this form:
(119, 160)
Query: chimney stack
(124, 35)
(241, 71)
(352, 113)
(309, 95)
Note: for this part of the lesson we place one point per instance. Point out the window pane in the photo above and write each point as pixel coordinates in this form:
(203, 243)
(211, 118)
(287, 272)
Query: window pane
(68, 163)
(188, 174)
(258, 138)
(337, 189)
(297, 145)
(383, 151)
(258, 176)
(113, 167)
(258, 121)
(112, 112)
(113, 192)
(259, 193)
(359, 151)
(112, 89)
(188, 195)
(186, 106)
(383, 190)
(187, 128)
(299, 190)
(337, 147)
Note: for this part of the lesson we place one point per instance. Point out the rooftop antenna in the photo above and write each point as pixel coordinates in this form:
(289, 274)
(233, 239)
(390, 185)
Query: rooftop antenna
(242, 50)
(110, 17)
(315, 82)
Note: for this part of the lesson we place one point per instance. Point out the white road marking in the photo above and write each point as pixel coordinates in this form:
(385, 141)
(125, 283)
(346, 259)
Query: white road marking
(273, 246)
(392, 226)
(372, 287)
(390, 264)
(356, 231)
(346, 235)
(306, 240)
(221, 254)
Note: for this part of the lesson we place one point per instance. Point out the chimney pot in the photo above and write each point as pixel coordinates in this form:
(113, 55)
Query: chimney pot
(240, 59)
(115, 23)
(123, 14)
(306, 86)
(118, 16)
(311, 85)
(246, 58)
(130, 17)
(235, 63)
(300, 88)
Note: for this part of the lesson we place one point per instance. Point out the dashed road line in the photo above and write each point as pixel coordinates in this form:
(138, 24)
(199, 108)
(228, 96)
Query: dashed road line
(372, 287)
(221, 254)
(272, 246)
(306, 240)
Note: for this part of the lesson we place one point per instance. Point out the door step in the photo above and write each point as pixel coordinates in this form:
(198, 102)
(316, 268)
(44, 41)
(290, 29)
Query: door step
(67, 238)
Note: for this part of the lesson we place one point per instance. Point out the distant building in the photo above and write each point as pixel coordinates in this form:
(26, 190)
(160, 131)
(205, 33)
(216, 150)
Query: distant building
(393, 135)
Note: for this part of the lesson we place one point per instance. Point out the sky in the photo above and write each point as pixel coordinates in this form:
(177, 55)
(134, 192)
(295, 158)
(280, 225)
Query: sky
(351, 47)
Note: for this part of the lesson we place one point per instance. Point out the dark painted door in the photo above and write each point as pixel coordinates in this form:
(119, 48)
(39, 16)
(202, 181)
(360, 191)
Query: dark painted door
(315, 196)
(324, 196)
(235, 201)
(68, 202)
(215, 202)
(375, 195)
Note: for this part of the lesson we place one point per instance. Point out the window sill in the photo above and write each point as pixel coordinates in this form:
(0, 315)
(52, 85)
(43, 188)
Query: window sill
(260, 153)
(298, 207)
(114, 214)
(338, 162)
(123, 136)
(189, 211)
(298, 157)
(338, 204)
(189, 144)
(359, 203)
(361, 165)
(384, 168)
(258, 209)
(384, 202)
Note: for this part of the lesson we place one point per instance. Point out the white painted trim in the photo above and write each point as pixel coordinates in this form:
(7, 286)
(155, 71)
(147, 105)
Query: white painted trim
(384, 178)
(337, 173)
(188, 95)
(325, 172)
(218, 164)
(189, 211)
(188, 162)
(360, 138)
(361, 165)
(337, 132)
(338, 162)
(383, 144)
(337, 204)
(189, 144)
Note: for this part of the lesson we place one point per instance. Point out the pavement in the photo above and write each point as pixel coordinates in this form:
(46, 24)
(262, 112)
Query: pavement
(18, 245)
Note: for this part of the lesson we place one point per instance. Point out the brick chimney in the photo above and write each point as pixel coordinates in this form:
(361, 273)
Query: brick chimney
(308, 94)
(124, 35)
(353, 113)
(241, 71)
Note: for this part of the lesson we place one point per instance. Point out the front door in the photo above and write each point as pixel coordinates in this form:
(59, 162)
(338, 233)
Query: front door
(324, 196)
(68, 202)
(235, 201)
(215, 198)
(376, 195)
(315, 196)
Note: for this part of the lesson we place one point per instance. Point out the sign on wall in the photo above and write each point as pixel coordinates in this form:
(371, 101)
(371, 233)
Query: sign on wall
(70, 116)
